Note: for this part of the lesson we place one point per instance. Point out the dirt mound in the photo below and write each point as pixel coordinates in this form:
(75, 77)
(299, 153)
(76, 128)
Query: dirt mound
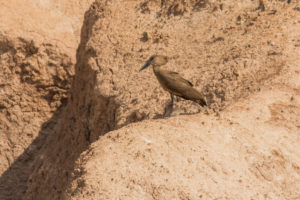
(241, 55)
(38, 41)
(249, 152)
(229, 52)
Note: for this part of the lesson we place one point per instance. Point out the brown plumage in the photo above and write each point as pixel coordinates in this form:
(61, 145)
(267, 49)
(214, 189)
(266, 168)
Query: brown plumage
(173, 82)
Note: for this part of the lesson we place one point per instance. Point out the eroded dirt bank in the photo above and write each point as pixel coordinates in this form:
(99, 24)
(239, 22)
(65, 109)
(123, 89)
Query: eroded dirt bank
(242, 55)
(248, 66)
(38, 42)
(249, 152)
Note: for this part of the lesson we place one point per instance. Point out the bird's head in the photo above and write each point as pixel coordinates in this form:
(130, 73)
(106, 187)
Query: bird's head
(155, 60)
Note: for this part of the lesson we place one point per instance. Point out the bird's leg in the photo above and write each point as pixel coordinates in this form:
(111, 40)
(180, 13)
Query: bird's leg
(172, 103)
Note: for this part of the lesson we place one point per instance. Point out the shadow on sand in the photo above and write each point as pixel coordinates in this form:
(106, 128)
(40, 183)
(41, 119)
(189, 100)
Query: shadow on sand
(13, 182)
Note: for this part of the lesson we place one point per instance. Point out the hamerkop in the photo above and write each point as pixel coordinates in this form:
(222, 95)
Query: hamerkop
(173, 82)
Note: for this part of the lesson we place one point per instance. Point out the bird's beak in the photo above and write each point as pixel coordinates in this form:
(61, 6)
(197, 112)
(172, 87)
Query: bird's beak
(147, 64)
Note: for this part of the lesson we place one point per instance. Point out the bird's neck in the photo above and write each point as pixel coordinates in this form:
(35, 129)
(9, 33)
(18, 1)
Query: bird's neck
(156, 69)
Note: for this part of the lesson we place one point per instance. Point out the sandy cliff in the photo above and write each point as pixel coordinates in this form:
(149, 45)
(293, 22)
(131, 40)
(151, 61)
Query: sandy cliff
(243, 56)
(38, 42)
(98, 130)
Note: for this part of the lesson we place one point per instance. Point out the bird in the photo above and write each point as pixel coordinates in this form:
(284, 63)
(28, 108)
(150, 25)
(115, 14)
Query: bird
(172, 82)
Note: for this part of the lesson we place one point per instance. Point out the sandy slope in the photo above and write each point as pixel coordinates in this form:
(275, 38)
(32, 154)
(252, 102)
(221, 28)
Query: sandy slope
(105, 135)
(251, 151)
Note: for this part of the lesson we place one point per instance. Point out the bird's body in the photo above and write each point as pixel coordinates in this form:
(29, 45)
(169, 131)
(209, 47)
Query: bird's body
(178, 86)
(173, 82)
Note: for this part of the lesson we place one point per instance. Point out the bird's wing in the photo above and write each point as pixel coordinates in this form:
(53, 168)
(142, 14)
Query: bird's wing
(175, 84)
(176, 76)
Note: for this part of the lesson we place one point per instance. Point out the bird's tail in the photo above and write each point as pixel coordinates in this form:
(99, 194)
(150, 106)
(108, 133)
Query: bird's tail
(201, 102)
